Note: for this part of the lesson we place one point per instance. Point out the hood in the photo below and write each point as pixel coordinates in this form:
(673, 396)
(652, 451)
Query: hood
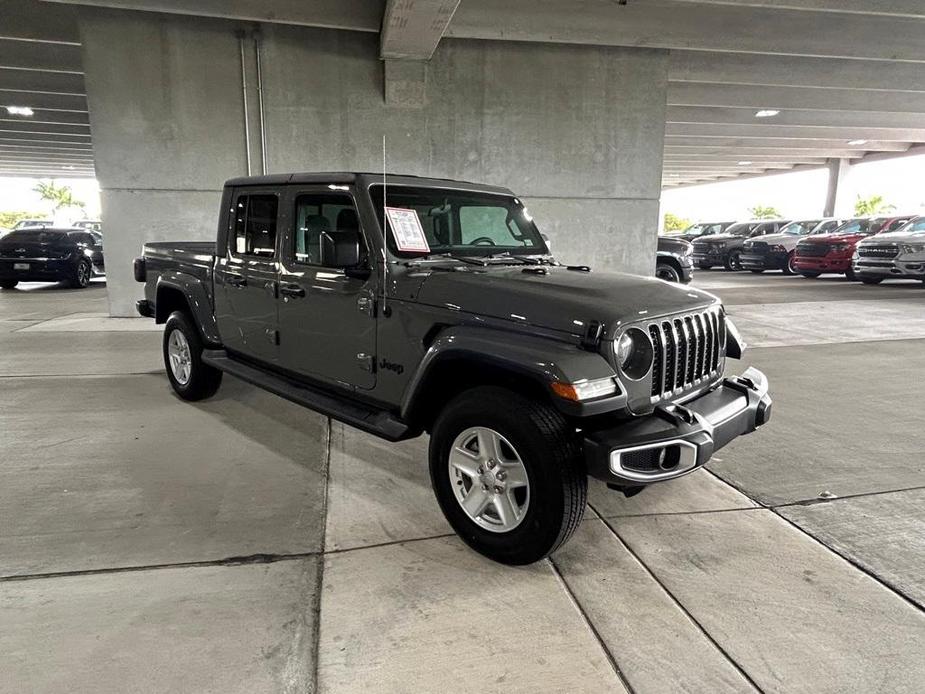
(883, 239)
(720, 237)
(561, 299)
(669, 244)
(831, 239)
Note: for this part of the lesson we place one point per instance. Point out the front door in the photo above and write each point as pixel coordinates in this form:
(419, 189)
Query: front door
(327, 320)
(245, 281)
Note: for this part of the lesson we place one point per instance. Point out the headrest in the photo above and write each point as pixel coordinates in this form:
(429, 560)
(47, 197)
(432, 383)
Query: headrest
(347, 220)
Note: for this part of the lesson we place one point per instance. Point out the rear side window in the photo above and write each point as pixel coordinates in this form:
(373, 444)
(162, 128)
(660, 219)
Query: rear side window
(254, 231)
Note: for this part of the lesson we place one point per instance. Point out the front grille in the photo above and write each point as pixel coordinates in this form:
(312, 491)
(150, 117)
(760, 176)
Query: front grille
(813, 250)
(687, 350)
(878, 251)
(757, 247)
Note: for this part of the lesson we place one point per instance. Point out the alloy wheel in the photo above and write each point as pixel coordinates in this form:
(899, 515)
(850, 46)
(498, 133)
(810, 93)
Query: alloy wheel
(178, 351)
(489, 479)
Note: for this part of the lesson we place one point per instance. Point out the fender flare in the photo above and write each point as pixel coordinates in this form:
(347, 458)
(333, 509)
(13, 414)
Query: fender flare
(197, 298)
(541, 359)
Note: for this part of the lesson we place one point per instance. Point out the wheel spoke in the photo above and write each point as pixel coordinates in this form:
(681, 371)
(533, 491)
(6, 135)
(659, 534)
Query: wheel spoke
(476, 501)
(489, 444)
(507, 512)
(465, 461)
(516, 475)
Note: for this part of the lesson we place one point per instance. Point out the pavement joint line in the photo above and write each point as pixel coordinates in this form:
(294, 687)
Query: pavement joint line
(860, 495)
(844, 557)
(319, 574)
(593, 629)
(680, 605)
(64, 375)
(676, 513)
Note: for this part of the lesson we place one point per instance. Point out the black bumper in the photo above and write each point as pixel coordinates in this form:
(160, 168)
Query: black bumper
(145, 308)
(677, 439)
(767, 261)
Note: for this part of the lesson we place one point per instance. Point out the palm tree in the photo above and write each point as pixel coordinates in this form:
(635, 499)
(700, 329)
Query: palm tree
(875, 204)
(58, 196)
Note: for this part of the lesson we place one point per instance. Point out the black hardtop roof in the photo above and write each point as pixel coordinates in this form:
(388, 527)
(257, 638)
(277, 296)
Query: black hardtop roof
(362, 178)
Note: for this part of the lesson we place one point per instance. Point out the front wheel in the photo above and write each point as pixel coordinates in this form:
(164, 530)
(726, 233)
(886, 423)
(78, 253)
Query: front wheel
(871, 280)
(508, 474)
(667, 272)
(850, 275)
(9, 284)
(190, 377)
(810, 275)
(733, 261)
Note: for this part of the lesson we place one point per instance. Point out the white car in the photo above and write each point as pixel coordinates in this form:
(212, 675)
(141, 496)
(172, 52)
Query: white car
(896, 254)
(775, 251)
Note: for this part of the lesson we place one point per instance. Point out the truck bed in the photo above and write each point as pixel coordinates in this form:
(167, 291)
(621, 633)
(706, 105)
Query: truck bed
(183, 261)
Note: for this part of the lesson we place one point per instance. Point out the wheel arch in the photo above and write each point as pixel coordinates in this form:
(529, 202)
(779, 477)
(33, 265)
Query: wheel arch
(178, 293)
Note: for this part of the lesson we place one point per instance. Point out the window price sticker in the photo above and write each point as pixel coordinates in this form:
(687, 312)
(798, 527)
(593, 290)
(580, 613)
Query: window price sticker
(406, 226)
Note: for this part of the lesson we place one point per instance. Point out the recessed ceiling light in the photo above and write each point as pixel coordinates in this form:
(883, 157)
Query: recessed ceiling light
(766, 113)
(20, 111)
(745, 163)
(857, 142)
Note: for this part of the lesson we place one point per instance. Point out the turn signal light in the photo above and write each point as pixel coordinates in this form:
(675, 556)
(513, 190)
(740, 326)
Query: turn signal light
(585, 390)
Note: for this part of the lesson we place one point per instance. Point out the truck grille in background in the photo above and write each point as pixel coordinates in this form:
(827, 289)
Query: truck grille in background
(757, 247)
(878, 251)
(813, 250)
(687, 349)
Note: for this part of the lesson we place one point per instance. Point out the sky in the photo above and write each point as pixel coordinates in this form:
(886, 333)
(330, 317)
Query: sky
(901, 181)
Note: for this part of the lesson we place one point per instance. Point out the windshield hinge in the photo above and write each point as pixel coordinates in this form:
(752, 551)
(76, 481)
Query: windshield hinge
(592, 337)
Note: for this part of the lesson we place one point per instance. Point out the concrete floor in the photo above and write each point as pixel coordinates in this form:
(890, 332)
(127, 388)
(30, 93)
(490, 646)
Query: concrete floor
(247, 545)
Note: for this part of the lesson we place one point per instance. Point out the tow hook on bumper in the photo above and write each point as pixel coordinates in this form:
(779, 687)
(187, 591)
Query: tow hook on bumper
(676, 439)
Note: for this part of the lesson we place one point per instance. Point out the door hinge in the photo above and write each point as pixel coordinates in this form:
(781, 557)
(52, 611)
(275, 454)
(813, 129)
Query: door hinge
(366, 304)
(272, 336)
(366, 362)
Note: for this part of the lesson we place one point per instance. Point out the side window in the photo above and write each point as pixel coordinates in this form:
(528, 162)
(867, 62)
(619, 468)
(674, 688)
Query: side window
(489, 223)
(254, 230)
(317, 214)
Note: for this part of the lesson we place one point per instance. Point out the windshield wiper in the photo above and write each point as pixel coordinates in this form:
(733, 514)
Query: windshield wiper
(449, 256)
(522, 259)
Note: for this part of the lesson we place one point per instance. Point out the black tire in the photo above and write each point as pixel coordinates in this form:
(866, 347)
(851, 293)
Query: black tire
(8, 284)
(788, 268)
(704, 266)
(871, 280)
(757, 271)
(551, 455)
(203, 380)
(80, 279)
(667, 272)
(850, 275)
(733, 263)
(810, 275)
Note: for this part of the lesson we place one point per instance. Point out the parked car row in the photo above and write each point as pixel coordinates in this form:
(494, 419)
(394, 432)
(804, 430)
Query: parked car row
(869, 249)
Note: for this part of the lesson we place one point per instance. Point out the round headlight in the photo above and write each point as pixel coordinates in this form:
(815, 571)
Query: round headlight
(634, 353)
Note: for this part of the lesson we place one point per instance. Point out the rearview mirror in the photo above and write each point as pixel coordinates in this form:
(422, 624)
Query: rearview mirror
(340, 249)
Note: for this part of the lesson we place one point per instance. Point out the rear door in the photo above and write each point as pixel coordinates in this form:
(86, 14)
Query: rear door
(327, 318)
(245, 280)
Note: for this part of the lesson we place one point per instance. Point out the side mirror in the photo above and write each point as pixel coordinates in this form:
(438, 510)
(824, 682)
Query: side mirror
(340, 249)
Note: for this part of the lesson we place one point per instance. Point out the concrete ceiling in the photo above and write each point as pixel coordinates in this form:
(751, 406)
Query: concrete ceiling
(846, 76)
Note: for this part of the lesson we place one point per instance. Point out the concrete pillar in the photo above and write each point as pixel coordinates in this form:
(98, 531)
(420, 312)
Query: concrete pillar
(835, 204)
(577, 131)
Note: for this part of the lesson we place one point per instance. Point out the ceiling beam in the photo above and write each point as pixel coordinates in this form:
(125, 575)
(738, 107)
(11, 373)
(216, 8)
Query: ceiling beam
(413, 29)
(26, 19)
(358, 15)
(746, 115)
(750, 152)
(32, 55)
(45, 82)
(732, 28)
(781, 143)
(892, 8)
(760, 129)
(44, 101)
(27, 125)
(47, 118)
(54, 146)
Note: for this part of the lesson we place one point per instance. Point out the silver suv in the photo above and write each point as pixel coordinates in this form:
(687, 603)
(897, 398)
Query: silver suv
(896, 254)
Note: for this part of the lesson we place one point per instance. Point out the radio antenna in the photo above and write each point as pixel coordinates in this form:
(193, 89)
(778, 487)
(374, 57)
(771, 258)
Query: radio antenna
(385, 236)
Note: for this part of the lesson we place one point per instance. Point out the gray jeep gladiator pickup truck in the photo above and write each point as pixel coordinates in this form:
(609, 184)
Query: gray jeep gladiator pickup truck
(454, 320)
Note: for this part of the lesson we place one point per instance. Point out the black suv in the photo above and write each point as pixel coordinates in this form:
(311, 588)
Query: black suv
(726, 248)
(50, 255)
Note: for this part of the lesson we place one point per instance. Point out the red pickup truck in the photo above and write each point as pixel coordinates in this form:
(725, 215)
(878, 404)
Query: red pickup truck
(832, 252)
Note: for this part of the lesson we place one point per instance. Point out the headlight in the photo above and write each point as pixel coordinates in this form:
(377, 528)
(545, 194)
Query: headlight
(778, 249)
(912, 248)
(688, 249)
(838, 247)
(634, 353)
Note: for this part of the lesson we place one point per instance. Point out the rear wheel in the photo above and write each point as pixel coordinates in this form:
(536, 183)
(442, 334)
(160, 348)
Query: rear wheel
(82, 274)
(667, 272)
(789, 268)
(8, 284)
(810, 275)
(508, 474)
(733, 261)
(190, 378)
(871, 280)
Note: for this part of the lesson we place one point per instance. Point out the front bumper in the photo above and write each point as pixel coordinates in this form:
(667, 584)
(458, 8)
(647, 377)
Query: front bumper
(677, 439)
(773, 260)
(911, 270)
(823, 264)
(708, 256)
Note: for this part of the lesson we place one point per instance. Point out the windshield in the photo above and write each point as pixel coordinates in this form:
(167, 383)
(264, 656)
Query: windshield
(31, 223)
(34, 236)
(860, 226)
(705, 228)
(800, 228)
(916, 226)
(742, 228)
(465, 223)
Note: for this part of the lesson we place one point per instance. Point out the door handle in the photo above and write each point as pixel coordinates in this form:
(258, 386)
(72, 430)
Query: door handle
(291, 290)
(235, 280)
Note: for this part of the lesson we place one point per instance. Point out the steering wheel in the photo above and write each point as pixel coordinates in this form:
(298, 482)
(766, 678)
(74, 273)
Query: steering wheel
(482, 241)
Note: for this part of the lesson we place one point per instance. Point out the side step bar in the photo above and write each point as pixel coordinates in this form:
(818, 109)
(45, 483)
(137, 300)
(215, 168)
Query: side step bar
(371, 420)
